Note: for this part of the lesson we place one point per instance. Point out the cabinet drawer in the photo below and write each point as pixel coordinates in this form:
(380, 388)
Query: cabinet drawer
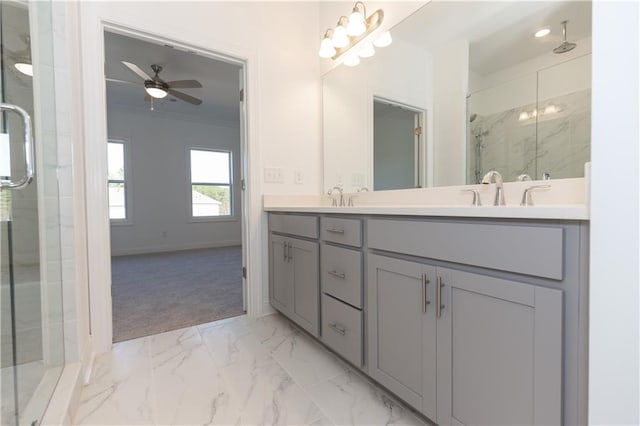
(305, 226)
(342, 329)
(341, 274)
(343, 231)
(531, 250)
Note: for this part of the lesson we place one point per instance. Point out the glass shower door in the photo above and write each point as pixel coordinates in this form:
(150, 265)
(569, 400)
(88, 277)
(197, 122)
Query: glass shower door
(31, 323)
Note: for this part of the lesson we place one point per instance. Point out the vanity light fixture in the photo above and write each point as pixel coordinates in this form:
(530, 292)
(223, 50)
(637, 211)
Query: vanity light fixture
(352, 38)
(548, 110)
(542, 32)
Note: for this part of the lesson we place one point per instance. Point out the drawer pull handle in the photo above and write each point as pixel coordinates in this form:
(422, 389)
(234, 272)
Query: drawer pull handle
(337, 274)
(338, 328)
(439, 305)
(425, 300)
(335, 231)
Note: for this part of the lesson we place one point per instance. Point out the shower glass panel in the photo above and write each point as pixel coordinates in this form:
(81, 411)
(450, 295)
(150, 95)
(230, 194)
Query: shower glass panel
(31, 323)
(538, 125)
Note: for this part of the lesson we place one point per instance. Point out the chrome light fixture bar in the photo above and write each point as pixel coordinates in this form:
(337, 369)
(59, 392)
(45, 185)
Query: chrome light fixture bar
(351, 32)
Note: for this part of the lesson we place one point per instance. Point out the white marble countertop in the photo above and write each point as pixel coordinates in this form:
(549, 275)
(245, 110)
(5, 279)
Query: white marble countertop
(565, 199)
(563, 212)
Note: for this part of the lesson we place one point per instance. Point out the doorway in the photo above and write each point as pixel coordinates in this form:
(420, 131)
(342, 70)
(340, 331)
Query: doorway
(398, 146)
(176, 155)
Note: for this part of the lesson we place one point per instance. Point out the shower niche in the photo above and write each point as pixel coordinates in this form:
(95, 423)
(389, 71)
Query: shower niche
(537, 125)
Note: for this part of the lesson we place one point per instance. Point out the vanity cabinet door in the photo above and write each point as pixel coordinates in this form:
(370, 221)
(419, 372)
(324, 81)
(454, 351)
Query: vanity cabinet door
(293, 280)
(279, 274)
(402, 329)
(305, 270)
(499, 352)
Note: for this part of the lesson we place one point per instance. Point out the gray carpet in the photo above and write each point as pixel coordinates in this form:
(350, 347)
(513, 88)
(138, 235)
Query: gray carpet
(154, 293)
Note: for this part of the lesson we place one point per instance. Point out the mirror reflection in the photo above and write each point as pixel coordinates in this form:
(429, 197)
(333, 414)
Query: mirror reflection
(488, 94)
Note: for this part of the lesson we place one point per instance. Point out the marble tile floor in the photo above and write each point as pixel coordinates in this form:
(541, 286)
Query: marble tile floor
(233, 372)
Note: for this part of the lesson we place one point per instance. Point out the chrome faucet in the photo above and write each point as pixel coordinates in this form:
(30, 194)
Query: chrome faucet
(495, 177)
(334, 202)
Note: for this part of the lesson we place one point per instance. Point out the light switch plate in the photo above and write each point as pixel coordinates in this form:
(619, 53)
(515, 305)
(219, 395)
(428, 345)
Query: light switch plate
(273, 175)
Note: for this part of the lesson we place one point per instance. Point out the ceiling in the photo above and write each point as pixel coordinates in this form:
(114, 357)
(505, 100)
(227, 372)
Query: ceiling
(500, 33)
(220, 80)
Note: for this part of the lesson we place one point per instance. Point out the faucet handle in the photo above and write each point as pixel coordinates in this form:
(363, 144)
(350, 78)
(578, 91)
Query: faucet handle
(526, 195)
(476, 197)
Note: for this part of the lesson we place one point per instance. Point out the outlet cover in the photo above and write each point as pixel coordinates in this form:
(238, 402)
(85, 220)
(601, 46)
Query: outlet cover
(298, 177)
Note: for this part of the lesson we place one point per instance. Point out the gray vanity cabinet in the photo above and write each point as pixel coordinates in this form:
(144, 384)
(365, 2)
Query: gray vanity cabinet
(499, 351)
(402, 329)
(294, 270)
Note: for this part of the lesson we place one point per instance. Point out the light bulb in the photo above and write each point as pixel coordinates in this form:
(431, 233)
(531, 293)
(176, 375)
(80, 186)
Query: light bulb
(551, 109)
(24, 68)
(524, 115)
(326, 48)
(356, 25)
(155, 92)
(383, 40)
(367, 50)
(340, 38)
(351, 60)
(542, 32)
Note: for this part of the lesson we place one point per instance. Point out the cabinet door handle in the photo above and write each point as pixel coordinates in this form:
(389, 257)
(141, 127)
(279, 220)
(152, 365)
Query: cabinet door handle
(425, 298)
(338, 328)
(290, 252)
(439, 305)
(337, 274)
(284, 252)
(335, 231)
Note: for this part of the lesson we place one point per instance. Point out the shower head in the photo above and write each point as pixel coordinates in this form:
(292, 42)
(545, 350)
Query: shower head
(472, 117)
(565, 46)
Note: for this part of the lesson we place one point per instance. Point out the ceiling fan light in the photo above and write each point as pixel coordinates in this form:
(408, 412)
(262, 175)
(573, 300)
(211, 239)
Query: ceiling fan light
(340, 37)
(156, 92)
(326, 48)
(383, 40)
(25, 68)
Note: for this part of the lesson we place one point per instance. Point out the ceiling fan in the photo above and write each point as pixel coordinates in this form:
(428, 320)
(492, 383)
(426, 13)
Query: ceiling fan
(157, 88)
(22, 58)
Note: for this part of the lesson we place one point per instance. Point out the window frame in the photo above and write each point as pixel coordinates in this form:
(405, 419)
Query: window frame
(232, 211)
(126, 152)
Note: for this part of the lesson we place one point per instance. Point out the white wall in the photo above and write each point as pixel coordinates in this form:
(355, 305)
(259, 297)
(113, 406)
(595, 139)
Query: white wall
(160, 210)
(614, 382)
(451, 76)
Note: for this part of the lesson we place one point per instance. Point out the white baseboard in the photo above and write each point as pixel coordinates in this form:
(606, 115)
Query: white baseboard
(267, 309)
(173, 247)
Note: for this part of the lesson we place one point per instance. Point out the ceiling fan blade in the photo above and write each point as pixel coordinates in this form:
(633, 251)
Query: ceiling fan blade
(184, 84)
(185, 97)
(115, 80)
(136, 69)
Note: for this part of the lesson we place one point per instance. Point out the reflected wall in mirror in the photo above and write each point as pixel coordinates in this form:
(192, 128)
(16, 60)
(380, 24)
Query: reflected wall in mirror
(397, 146)
(475, 69)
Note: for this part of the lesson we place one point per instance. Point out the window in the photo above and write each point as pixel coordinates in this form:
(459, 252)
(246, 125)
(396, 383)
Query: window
(116, 163)
(211, 193)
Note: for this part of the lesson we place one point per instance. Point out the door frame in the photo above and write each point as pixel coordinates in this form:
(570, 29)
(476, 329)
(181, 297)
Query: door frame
(95, 132)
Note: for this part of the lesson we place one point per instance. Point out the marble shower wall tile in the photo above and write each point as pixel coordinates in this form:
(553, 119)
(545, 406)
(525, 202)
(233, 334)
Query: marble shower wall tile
(557, 144)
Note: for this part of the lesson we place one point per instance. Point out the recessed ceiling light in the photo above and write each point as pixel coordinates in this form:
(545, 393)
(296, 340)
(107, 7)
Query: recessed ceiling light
(542, 32)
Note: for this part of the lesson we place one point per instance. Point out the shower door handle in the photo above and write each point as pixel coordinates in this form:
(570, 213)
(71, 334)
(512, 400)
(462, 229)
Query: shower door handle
(28, 150)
